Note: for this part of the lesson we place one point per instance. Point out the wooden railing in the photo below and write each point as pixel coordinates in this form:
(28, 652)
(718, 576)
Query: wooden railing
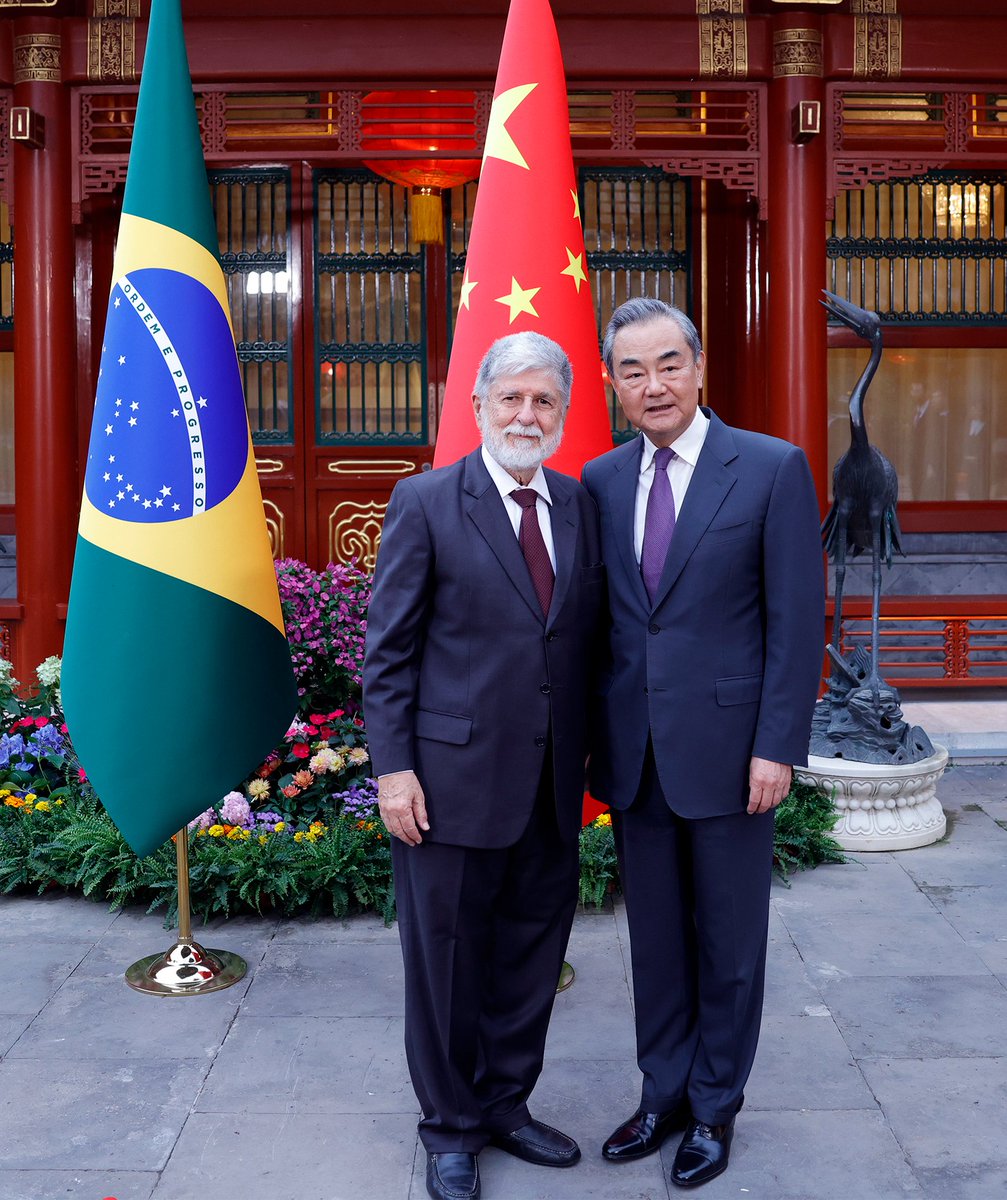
(933, 641)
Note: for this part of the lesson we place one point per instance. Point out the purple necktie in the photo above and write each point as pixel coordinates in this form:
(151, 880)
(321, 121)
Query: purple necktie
(660, 523)
(533, 545)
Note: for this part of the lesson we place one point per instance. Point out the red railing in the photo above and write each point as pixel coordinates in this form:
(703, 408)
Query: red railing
(933, 641)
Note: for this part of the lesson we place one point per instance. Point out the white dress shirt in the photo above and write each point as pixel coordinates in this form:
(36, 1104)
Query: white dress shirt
(687, 447)
(506, 483)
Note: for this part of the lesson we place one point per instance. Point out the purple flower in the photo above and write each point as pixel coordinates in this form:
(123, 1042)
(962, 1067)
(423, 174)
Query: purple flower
(235, 810)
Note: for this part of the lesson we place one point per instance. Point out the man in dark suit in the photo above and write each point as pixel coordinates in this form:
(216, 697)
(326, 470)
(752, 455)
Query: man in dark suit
(710, 540)
(482, 623)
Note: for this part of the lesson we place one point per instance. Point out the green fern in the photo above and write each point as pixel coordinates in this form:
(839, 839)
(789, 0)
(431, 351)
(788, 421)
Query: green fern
(804, 823)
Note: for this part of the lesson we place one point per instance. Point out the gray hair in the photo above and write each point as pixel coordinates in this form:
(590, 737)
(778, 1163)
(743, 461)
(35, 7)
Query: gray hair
(639, 312)
(526, 351)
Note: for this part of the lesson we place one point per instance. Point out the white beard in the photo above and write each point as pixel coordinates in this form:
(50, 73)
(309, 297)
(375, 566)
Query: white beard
(525, 454)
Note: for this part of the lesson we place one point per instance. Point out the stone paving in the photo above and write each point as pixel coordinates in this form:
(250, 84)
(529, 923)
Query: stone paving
(882, 1071)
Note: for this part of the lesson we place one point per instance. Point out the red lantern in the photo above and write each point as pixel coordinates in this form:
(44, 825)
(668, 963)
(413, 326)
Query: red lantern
(436, 121)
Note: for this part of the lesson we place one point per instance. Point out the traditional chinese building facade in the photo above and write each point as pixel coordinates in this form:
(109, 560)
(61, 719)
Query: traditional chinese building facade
(734, 157)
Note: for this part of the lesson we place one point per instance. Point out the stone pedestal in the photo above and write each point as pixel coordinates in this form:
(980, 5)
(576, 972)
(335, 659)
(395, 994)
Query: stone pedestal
(881, 807)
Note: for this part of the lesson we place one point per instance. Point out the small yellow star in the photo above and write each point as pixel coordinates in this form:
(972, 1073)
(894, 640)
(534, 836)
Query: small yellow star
(575, 268)
(519, 300)
(576, 203)
(467, 289)
(499, 143)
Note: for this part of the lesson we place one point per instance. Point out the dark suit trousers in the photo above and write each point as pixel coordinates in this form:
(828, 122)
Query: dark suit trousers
(697, 901)
(483, 935)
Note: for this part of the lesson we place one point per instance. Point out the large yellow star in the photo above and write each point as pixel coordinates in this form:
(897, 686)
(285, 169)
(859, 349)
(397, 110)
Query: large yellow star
(576, 204)
(499, 143)
(519, 300)
(467, 289)
(575, 268)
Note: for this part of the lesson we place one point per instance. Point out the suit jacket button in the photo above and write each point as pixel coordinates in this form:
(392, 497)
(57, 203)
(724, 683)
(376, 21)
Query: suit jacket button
(540, 742)
(646, 691)
(545, 689)
(653, 628)
(551, 637)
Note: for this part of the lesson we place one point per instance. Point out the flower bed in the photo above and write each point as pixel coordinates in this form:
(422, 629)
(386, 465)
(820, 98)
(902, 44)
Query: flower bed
(302, 832)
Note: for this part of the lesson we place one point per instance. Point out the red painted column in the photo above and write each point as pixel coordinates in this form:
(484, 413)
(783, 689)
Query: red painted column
(46, 500)
(797, 380)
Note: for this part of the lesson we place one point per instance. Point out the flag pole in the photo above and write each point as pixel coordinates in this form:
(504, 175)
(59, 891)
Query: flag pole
(186, 968)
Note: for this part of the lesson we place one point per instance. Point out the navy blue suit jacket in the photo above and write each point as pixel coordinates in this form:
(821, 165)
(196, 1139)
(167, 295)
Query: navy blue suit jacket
(725, 663)
(465, 681)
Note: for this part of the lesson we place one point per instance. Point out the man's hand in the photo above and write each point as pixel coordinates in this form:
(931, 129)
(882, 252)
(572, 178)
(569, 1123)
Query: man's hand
(402, 807)
(768, 783)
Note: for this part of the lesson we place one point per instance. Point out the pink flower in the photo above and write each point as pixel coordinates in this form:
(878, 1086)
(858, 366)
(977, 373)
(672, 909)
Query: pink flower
(300, 750)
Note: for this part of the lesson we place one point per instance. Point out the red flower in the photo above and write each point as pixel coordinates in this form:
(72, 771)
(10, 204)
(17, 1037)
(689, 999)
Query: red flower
(63, 728)
(338, 713)
(40, 721)
(82, 775)
(300, 750)
(291, 790)
(268, 767)
(326, 731)
(315, 719)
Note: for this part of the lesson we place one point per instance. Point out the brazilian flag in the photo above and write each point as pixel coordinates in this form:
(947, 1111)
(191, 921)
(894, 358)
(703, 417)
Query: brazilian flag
(177, 678)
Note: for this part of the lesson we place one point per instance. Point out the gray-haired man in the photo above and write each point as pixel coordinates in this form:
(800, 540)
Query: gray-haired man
(485, 609)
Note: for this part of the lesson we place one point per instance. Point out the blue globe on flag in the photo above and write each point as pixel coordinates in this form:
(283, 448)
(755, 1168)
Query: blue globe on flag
(169, 438)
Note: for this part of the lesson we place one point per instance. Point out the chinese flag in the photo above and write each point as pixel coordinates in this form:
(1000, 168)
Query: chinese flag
(526, 267)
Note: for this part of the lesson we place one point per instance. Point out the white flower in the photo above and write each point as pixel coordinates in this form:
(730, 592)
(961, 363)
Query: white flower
(325, 760)
(7, 680)
(358, 755)
(48, 672)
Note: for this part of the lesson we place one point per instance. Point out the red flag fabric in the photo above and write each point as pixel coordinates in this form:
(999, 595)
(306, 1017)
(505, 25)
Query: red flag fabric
(525, 266)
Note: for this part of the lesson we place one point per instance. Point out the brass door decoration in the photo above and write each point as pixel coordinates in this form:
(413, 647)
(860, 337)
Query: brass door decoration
(275, 522)
(355, 532)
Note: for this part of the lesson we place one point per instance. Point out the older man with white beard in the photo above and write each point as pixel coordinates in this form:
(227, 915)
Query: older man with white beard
(481, 631)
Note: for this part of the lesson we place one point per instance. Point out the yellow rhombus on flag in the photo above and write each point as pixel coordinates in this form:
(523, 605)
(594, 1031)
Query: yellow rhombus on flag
(177, 678)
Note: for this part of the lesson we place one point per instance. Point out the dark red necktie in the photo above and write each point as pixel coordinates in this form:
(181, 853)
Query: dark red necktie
(533, 545)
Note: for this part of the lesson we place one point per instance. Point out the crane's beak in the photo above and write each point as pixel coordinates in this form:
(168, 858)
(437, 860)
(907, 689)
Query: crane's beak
(861, 320)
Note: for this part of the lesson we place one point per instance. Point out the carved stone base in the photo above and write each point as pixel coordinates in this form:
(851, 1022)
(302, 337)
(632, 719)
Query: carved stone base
(881, 807)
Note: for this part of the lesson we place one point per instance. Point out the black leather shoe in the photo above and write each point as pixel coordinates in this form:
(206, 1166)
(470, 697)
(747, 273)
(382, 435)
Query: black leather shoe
(703, 1154)
(540, 1144)
(453, 1176)
(643, 1133)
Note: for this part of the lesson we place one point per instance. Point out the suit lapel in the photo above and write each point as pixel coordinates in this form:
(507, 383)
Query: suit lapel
(622, 502)
(565, 523)
(708, 488)
(485, 507)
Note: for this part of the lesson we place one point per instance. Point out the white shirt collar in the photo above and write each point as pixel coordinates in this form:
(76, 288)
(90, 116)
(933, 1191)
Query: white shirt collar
(506, 483)
(686, 446)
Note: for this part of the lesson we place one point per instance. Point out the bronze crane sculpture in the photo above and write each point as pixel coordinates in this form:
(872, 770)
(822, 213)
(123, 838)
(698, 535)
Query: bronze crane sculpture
(865, 490)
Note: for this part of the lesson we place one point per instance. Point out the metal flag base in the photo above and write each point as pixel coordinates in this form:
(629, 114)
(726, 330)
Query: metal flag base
(186, 969)
(566, 977)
